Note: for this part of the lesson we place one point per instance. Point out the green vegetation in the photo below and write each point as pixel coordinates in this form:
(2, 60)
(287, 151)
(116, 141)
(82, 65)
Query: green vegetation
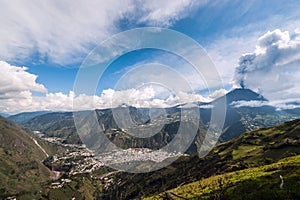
(253, 183)
(256, 150)
(247, 167)
(81, 187)
(21, 168)
(57, 124)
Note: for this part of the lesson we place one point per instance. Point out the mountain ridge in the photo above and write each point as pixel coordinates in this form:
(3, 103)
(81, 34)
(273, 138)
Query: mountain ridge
(243, 94)
(22, 118)
(237, 121)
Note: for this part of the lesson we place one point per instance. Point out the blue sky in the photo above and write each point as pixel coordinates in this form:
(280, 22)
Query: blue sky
(52, 38)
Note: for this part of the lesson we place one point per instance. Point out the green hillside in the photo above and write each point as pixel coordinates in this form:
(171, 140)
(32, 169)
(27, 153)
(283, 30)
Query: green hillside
(252, 161)
(249, 165)
(254, 183)
(248, 152)
(21, 168)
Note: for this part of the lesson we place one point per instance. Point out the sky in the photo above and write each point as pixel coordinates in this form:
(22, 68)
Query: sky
(43, 45)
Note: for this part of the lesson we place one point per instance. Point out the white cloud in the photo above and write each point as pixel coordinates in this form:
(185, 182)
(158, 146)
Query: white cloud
(227, 48)
(145, 97)
(238, 104)
(208, 106)
(17, 87)
(64, 32)
(16, 82)
(279, 105)
(164, 13)
(273, 68)
(217, 93)
(142, 97)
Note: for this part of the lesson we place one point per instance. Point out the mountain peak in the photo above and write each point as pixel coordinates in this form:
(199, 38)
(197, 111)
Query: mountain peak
(243, 94)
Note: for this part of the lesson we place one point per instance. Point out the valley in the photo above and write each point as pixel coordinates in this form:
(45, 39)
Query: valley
(71, 170)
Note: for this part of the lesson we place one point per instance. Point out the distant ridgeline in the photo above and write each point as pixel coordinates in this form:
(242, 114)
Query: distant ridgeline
(239, 119)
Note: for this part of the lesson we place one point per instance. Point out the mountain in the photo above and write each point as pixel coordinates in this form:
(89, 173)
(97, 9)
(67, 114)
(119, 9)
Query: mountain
(242, 94)
(261, 151)
(249, 164)
(21, 156)
(4, 115)
(62, 125)
(56, 124)
(246, 167)
(24, 117)
(238, 120)
(294, 111)
(252, 160)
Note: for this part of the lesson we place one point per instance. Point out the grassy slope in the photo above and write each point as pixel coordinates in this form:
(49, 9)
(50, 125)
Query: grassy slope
(81, 187)
(21, 169)
(253, 149)
(254, 183)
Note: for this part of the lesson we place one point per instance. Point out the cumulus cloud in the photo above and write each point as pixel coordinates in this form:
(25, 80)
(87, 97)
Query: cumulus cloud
(279, 105)
(63, 32)
(17, 86)
(16, 82)
(238, 104)
(145, 97)
(217, 93)
(273, 68)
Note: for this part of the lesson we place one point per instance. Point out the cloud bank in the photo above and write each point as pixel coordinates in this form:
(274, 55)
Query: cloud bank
(238, 104)
(17, 87)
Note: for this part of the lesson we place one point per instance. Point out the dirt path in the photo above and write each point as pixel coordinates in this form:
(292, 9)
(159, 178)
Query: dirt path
(37, 144)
